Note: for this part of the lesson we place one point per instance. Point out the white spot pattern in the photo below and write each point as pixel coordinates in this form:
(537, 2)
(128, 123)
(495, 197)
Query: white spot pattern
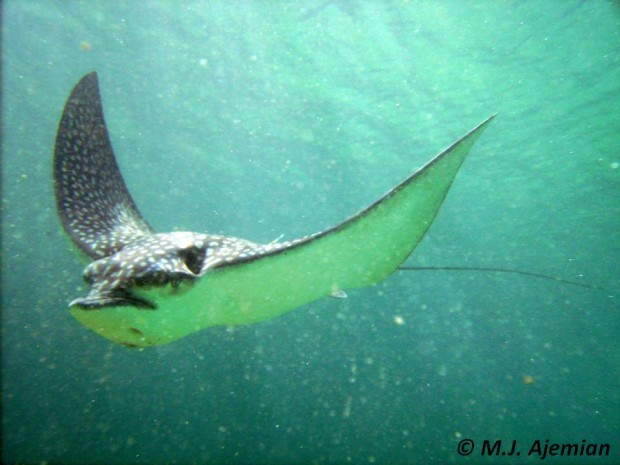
(99, 214)
(162, 259)
(94, 204)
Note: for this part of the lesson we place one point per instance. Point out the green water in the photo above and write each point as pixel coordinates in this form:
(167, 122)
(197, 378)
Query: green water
(257, 119)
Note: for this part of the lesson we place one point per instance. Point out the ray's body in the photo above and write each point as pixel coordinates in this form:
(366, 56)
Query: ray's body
(150, 288)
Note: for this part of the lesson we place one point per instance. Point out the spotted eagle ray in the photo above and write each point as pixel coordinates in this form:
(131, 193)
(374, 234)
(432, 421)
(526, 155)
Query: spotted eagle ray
(149, 288)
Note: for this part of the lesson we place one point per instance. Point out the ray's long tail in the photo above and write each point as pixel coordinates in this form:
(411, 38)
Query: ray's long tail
(501, 270)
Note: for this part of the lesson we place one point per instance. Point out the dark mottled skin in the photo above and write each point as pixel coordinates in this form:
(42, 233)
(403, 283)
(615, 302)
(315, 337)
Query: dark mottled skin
(99, 214)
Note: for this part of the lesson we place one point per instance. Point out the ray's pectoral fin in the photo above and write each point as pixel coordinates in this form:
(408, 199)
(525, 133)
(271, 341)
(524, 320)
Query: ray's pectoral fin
(360, 251)
(93, 202)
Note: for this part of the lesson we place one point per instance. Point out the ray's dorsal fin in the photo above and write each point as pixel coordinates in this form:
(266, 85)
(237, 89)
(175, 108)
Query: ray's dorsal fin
(92, 199)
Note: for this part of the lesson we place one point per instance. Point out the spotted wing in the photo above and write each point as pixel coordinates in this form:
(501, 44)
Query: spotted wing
(92, 199)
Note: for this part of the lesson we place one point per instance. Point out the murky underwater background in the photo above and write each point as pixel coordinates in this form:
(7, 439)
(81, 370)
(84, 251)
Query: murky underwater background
(256, 119)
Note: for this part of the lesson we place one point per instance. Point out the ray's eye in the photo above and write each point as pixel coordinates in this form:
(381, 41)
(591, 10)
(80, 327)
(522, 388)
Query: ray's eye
(193, 258)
